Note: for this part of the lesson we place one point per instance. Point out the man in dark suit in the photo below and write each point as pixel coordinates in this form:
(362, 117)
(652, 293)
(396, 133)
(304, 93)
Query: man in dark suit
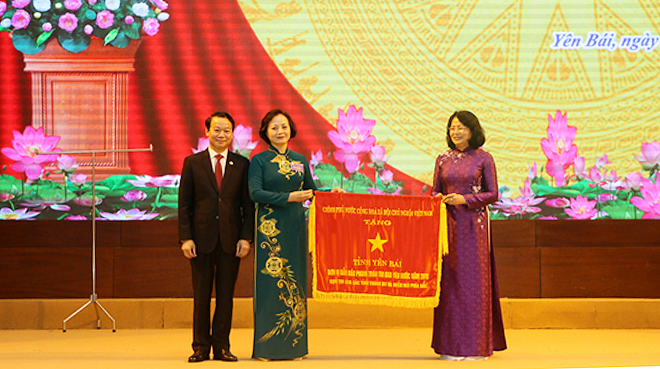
(216, 227)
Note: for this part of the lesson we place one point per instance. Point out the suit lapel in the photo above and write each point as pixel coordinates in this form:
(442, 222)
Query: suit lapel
(230, 170)
(208, 168)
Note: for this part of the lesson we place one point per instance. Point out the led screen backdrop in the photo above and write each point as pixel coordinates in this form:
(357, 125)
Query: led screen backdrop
(566, 91)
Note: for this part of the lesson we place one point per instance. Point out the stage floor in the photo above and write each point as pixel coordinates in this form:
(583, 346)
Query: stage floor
(329, 348)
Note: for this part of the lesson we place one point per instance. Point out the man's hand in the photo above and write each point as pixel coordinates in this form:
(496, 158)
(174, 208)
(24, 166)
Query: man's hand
(242, 248)
(189, 249)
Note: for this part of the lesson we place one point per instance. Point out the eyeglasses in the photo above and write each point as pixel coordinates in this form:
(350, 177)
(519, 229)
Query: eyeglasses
(457, 129)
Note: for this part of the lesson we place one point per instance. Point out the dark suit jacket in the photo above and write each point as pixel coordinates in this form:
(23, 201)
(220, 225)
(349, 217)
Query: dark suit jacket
(205, 214)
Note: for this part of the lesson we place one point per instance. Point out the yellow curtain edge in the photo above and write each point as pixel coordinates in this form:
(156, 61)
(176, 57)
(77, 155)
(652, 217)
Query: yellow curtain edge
(311, 239)
(443, 247)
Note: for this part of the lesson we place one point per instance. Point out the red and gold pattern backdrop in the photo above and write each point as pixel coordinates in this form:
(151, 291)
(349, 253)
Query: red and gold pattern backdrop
(408, 64)
(204, 59)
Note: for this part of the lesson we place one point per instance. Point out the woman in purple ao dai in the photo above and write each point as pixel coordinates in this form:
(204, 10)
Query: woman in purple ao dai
(467, 323)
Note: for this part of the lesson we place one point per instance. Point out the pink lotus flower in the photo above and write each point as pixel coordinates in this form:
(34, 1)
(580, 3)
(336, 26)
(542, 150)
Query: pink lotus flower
(560, 202)
(633, 181)
(242, 142)
(526, 191)
(88, 29)
(134, 195)
(57, 205)
(18, 214)
(525, 203)
(87, 200)
(160, 4)
(47, 27)
(78, 179)
(26, 148)
(133, 214)
(129, 20)
(602, 161)
(533, 172)
(559, 147)
(72, 5)
(67, 163)
(386, 177)
(105, 19)
(317, 158)
(21, 19)
(76, 217)
(20, 4)
(649, 203)
(605, 197)
(3, 8)
(579, 168)
(6, 196)
(170, 180)
(202, 144)
(596, 176)
(613, 182)
(151, 26)
(378, 156)
(91, 2)
(352, 138)
(582, 208)
(352, 167)
(650, 158)
(610, 182)
(377, 191)
(68, 22)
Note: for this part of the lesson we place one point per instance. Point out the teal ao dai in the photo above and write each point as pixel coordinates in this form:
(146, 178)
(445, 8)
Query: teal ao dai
(280, 281)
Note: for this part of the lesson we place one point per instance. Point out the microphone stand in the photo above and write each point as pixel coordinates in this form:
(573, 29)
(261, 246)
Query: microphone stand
(93, 298)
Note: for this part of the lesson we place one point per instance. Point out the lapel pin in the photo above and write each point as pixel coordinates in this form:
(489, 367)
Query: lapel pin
(231, 163)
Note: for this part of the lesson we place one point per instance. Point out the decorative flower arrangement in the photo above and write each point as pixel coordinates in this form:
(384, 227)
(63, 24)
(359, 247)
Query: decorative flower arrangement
(35, 196)
(33, 23)
(354, 144)
(589, 193)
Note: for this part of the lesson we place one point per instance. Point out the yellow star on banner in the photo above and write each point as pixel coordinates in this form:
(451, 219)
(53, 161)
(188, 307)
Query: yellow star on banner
(377, 243)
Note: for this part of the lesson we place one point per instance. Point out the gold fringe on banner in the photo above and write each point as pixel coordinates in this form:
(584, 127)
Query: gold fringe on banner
(374, 299)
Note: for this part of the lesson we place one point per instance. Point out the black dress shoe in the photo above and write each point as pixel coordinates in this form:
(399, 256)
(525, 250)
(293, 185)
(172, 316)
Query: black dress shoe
(224, 355)
(198, 356)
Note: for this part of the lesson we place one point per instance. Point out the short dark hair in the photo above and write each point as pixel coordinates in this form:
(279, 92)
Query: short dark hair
(263, 130)
(220, 114)
(471, 121)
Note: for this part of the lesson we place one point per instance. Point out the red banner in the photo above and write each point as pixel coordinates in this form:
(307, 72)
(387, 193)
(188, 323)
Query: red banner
(377, 249)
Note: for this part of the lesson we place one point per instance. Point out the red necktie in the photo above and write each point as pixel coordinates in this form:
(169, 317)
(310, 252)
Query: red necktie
(218, 171)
